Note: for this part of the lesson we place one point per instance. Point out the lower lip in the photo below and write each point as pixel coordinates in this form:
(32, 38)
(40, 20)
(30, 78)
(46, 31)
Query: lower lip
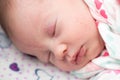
(80, 54)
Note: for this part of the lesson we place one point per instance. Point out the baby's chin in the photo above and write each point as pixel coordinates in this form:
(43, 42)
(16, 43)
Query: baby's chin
(74, 67)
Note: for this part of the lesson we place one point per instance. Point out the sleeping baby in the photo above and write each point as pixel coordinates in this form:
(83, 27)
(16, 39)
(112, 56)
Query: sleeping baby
(80, 36)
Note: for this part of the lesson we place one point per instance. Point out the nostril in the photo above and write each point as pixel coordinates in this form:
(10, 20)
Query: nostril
(65, 52)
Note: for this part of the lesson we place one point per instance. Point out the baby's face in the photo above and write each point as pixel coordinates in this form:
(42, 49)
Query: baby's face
(61, 32)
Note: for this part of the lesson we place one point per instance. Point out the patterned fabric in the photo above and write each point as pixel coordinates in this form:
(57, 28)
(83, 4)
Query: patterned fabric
(107, 15)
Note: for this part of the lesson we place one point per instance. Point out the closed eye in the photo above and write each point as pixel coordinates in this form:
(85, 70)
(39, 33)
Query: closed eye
(53, 32)
(51, 28)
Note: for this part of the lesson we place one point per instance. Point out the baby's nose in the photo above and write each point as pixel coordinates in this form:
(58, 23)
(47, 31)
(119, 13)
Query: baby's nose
(60, 51)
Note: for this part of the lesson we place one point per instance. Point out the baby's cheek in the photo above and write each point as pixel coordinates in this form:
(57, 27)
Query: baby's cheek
(43, 58)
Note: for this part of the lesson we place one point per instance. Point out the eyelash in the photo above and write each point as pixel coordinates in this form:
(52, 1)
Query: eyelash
(53, 30)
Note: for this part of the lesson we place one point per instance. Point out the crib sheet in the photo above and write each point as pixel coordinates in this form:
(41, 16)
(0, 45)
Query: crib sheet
(15, 65)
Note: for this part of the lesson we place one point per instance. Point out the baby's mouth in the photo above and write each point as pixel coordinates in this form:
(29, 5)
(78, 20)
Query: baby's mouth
(79, 54)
